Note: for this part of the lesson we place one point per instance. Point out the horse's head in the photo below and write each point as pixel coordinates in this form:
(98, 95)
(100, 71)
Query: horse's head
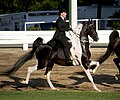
(89, 29)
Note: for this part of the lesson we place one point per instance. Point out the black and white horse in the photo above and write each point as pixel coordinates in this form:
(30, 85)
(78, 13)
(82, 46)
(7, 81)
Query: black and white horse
(47, 56)
(113, 47)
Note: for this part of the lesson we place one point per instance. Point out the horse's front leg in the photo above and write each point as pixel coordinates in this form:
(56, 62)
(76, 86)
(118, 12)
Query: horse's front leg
(30, 70)
(84, 65)
(91, 79)
(94, 65)
(87, 71)
(47, 73)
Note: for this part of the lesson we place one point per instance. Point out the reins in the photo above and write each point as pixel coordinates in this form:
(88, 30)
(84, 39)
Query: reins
(77, 35)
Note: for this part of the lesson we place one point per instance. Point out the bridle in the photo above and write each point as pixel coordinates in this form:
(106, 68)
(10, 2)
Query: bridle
(78, 35)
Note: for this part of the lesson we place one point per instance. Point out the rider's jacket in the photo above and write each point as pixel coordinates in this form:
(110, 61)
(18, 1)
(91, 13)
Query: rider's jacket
(61, 27)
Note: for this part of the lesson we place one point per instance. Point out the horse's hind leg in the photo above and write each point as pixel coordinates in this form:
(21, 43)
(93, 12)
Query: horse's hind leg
(47, 73)
(30, 70)
(117, 63)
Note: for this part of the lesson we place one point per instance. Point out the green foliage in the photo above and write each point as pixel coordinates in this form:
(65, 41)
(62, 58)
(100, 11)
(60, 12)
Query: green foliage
(33, 29)
(115, 24)
(11, 6)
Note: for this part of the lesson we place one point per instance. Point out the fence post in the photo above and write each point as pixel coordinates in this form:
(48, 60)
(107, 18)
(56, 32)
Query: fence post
(25, 46)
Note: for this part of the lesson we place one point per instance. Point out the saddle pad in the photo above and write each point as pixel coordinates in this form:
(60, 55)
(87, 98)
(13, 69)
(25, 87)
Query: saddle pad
(60, 53)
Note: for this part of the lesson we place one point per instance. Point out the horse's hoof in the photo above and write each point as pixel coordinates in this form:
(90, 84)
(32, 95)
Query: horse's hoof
(56, 89)
(99, 90)
(23, 82)
(91, 71)
(117, 76)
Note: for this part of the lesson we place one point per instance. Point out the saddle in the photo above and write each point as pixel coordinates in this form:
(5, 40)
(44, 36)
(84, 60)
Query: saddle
(60, 53)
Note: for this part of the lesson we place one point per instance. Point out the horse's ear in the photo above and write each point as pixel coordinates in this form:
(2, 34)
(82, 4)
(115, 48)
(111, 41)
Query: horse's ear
(91, 19)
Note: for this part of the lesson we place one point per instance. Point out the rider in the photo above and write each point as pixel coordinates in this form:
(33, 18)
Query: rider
(60, 37)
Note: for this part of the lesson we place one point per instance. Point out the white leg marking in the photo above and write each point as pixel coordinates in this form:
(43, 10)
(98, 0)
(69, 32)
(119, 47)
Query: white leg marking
(91, 80)
(49, 81)
(30, 70)
(94, 63)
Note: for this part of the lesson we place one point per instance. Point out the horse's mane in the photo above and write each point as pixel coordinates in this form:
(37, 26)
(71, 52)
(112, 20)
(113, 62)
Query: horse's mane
(78, 28)
(85, 24)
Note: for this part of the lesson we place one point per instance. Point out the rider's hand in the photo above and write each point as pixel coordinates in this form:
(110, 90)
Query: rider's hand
(71, 29)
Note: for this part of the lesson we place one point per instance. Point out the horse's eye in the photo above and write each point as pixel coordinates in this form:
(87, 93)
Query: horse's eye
(87, 29)
(93, 26)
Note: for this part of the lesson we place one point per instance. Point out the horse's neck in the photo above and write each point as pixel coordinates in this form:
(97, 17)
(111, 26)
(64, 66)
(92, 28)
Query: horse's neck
(77, 30)
(83, 34)
(75, 37)
(84, 38)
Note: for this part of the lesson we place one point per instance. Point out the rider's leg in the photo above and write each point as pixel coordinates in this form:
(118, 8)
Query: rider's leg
(66, 48)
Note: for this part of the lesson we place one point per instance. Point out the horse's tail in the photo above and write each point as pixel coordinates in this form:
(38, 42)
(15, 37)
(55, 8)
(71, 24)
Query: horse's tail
(24, 58)
(110, 48)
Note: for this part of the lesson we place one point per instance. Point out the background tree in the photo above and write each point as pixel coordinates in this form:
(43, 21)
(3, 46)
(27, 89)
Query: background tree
(6, 6)
(115, 24)
(10, 6)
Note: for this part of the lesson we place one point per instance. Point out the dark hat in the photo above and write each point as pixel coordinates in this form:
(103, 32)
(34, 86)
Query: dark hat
(62, 10)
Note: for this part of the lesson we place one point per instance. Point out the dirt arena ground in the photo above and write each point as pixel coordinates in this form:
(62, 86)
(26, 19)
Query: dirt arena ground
(70, 77)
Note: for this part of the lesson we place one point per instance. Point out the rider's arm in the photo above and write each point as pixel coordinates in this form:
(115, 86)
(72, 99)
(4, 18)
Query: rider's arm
(62, 26)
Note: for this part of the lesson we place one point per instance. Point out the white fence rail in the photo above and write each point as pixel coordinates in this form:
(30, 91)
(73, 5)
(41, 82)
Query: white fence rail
(23, 37)
(27, 37)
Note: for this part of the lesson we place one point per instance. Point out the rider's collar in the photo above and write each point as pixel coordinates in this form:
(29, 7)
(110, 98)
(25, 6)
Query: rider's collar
(62, 17)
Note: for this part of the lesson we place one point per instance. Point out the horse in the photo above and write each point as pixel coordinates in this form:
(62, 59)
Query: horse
(47, 56)
(113, 47)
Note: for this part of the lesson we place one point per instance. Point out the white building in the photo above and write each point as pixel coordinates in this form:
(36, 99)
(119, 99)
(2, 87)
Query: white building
(91, 11)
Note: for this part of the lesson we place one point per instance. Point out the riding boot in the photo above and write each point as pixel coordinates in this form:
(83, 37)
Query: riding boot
(68, 61)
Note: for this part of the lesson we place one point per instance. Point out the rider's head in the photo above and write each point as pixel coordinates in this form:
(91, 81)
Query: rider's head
(63, 13)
